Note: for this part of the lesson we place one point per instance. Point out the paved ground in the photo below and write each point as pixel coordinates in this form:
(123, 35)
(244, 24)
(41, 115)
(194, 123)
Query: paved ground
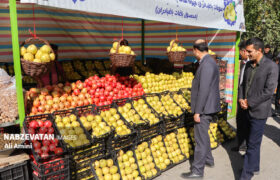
(228, 164)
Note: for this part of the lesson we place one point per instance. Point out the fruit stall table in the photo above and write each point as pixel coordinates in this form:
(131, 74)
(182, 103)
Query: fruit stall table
(103, 115)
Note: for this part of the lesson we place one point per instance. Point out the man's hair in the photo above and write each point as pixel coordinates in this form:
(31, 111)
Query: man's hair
(267, 46)
(242, 45)
(203, 46)
(256, 42)
(54, 47)
(124, 42)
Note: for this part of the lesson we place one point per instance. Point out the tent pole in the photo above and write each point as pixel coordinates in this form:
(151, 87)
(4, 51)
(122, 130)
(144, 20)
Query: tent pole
(16, 59)
(143, 41)
(236, 72)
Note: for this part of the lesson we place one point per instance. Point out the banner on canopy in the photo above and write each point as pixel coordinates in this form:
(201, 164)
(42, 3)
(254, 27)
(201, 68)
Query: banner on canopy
(222, 14)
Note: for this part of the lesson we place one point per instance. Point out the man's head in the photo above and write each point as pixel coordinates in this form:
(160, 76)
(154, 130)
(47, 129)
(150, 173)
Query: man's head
(242, 50)
(254, 48)
(200, 48)
(267, 48)
(55, 48)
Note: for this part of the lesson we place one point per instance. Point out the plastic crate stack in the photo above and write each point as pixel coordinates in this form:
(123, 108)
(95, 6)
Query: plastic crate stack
(124, 132)
(81, 146)
(48, 159)
(16, 171)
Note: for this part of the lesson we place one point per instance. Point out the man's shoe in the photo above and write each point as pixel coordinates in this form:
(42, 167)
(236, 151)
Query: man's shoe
(256, 172)
(275, 114)
(191, 175)
(211, 165)
(243, 148)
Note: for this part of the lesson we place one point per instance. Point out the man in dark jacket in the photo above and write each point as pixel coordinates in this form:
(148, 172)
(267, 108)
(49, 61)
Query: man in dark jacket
(205, 102)
(277, 97)
(241, 122)
(256, 90)
(267, 51)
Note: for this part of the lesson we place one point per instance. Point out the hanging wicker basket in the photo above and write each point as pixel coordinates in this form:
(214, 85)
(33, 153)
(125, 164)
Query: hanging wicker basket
(35, 69)
(121, 60)
(178, 56)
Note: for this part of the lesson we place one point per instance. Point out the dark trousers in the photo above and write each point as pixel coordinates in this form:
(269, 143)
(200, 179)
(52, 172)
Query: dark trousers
(277, 97)
(252, 156)
(202, 152)
(242, 124)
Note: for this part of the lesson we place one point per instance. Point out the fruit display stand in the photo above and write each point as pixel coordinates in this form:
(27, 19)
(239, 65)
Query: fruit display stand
(124, 132)
(147, 113)
(159, 152)
(14, 167)
(176, 113)
(66, 124)
(127, 161)
(145, 161)
(184, 142)
(128, 112)
(44, 150)
(54, 169)
(105, 167)
(226, 129)
(173, 149)
(80, 161)
(94, 123)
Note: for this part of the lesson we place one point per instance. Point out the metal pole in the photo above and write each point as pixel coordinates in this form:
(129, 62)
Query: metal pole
(143, 41)
(236, 72)
(16, 58)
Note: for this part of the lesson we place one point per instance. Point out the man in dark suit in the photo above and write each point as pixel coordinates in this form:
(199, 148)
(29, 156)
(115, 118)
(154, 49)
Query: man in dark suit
(256, 90)
(277, 97)
(241, 122)
(267, 51)
(205, 102)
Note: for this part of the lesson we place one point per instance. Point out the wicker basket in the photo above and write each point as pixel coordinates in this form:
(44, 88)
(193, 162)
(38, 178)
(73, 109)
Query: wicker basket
(122, 60)
(178, 56)
(35, 69)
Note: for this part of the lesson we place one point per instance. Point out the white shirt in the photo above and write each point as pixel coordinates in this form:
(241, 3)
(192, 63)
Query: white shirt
(242, 70)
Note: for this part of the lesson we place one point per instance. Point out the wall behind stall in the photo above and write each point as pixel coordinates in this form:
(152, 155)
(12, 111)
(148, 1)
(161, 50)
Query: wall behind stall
(78, 34)
(82, 35)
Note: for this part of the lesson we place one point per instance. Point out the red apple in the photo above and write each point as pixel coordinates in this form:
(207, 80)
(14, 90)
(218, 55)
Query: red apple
(73, 86)
(73, 104)
(31, 130)
(56, 100)
(55, 107)
(48, 123)
(55, 94)
(75, 98)
(84, 91)
(67, 89)
(42, 97)
(60, 85)
(80, 103)
(90, 101)
(67, 104)
(81, 97)
(41, 108)
(50, 102)
(44, 91)
(61, 105)
(62, 99)
(69, 99)
(86, 102)
(76, 92)
(52, 147)
(36, 103)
